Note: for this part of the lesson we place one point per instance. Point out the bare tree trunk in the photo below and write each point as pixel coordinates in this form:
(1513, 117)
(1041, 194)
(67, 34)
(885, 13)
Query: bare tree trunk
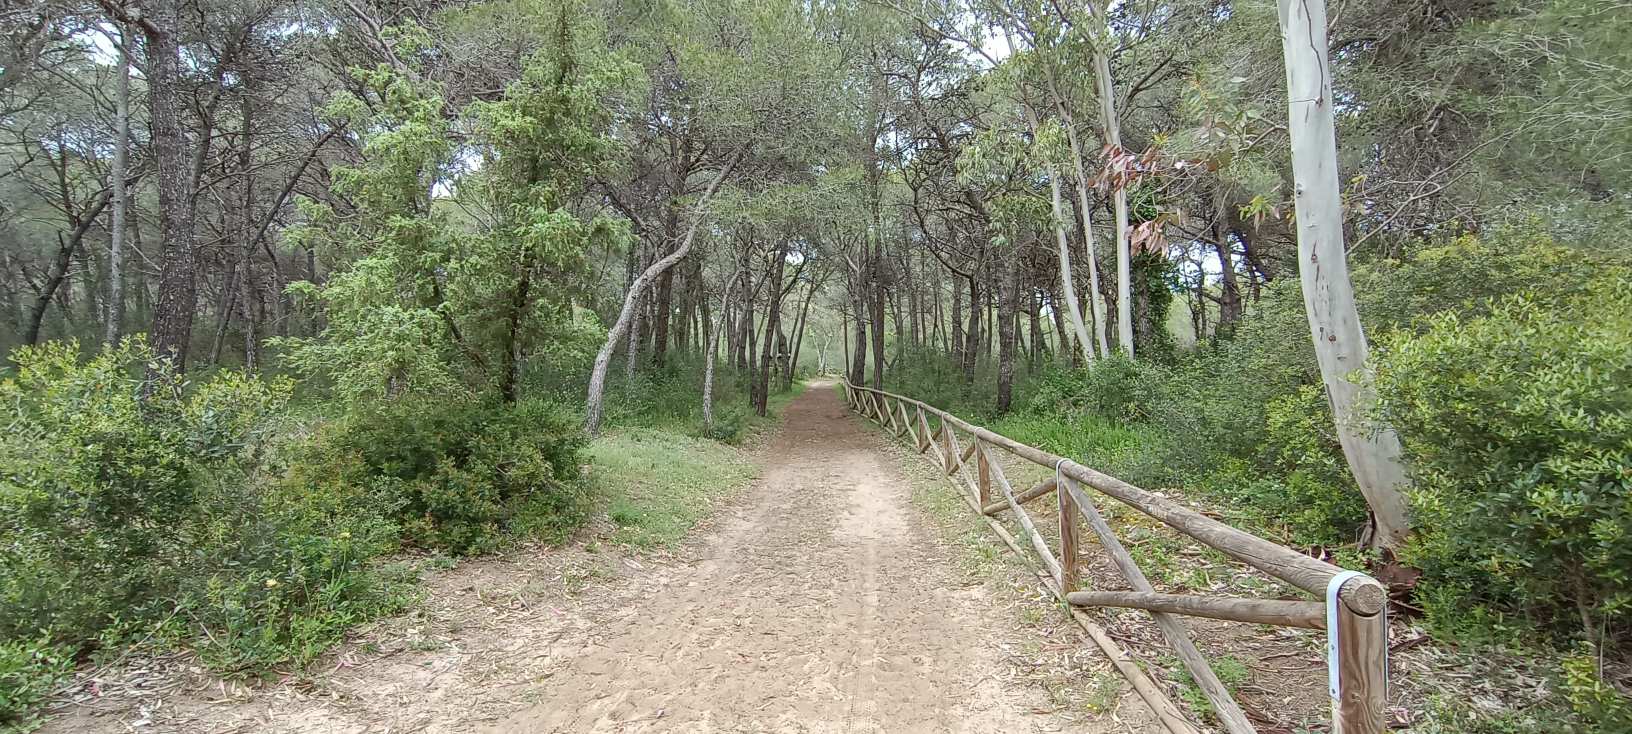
(597, 376)
(121, 152)
(636, 319)
(799, 336)
(858, 358)
(1328, 295)
(1096, 297)
(662, 308)
(972, 340)
(878, 330)
(713, 339)
(844, 336)
(1034, 312)
(1064, 339)
(246, 279)
(1008, 296)
(773, 328)
(1113, 138)
(1072, 309)
(178, 287)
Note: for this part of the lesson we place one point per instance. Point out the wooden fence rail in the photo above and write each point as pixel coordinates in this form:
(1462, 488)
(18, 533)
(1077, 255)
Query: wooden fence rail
(1352, 607)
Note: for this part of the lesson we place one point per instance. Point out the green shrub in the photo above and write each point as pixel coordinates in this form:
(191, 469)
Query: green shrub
(1598, 704)
(730, 424)
(1318, 500)
(1517, 426)
(29, 672)
(1115, 388)
(101, 490)
(155, 517)
(456, 475)
(286, 575)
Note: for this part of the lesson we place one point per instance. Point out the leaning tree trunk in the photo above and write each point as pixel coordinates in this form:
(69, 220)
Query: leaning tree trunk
(1067, 286)
(1097, 298)
(59, 268)
(1067, 281)
(1328, 296)
(798, 337)
(594, 402)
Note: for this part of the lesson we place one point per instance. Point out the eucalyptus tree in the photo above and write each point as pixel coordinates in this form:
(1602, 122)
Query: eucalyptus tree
(1328, 294)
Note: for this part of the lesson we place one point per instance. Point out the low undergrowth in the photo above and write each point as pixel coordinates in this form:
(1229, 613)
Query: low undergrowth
(213, 515)
(1503, 363)
(659, 484)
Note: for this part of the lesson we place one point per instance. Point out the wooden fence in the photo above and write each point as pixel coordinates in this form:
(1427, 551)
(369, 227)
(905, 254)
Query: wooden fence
(1353, 607)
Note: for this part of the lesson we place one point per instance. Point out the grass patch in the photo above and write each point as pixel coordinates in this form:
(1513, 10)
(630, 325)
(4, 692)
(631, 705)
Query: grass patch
(659, 483)
(1229, 669)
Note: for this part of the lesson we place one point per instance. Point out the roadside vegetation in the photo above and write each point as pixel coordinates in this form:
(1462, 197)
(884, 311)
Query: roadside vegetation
(221, 517)
(1503, 362)
(296, 294)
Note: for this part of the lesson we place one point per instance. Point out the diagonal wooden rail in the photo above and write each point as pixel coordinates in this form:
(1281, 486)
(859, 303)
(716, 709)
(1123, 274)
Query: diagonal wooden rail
(1354, 610)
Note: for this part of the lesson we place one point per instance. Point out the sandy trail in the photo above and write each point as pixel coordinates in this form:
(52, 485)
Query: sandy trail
(819, 608)
(818, 602)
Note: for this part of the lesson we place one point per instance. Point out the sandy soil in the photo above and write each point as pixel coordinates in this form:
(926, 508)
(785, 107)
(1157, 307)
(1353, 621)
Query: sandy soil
(820, 601)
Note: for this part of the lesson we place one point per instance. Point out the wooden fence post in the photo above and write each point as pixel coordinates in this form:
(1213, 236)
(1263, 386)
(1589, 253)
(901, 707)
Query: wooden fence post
(985, 484)
(1362, 671)
(1068, 538)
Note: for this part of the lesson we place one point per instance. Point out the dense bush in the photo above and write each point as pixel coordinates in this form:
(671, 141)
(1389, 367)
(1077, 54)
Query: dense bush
(1116, 388)
(1517, 425)
(1243, 418)
(455, 475)
(98, 484)
(29, 670)
(151, 515)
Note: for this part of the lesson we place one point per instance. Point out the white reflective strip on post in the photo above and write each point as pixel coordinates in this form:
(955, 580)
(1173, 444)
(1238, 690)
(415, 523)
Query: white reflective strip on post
(1334, 684)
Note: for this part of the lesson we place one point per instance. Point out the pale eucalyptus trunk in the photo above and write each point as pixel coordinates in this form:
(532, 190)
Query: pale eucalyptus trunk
(1072, 309)
(1113, 138)
(1096, 298)
(1328, 295)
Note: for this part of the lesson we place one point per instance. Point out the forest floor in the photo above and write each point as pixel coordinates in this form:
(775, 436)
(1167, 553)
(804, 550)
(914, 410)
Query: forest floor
(826, 597)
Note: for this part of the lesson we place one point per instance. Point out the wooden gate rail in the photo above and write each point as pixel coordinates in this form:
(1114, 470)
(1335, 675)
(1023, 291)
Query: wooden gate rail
(1358, 660)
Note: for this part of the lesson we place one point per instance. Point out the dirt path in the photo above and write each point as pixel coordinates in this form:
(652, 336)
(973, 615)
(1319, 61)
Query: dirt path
(819, 602)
